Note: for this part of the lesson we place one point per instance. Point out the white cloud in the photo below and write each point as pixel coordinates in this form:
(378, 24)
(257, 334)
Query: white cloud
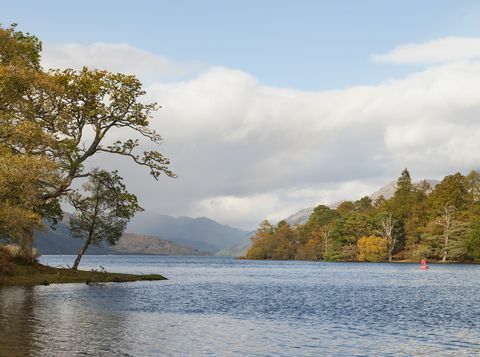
(236, 209)
(245, 151)
(447, 49)
(116, 57)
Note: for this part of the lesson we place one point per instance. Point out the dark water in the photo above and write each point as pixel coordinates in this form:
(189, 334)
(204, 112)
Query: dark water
(224, 307)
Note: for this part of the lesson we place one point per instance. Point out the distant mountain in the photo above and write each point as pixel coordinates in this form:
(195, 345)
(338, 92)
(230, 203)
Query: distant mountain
(201, 233)
(59, 241)
(153, 234)
(388, 190)
(300, 217)
(239, 249)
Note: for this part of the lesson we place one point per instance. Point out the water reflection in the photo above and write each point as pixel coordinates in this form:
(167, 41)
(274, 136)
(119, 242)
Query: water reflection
(17, 322)
(49, 321)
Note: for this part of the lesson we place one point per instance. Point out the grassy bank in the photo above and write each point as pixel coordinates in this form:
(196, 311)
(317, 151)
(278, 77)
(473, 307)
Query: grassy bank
(37, 274)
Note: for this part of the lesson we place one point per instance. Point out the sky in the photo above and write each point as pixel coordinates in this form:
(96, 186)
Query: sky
(269, 107)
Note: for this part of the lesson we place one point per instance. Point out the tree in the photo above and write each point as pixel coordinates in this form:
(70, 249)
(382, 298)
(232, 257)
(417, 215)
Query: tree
(386, 231)
(363, 205)
(347, 232)
(452, 192)
(473, 242)
(473, 185)
(284, 241)
(21, 179)
(25, 170)
(262, 242)
(453, 234)
(401, 201)
(372, 248)
(69, 116)
(102, 212)
(326, 232)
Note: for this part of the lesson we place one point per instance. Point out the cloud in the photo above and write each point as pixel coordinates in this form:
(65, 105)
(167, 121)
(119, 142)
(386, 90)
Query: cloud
(245, 151)
(235, 209)
(242, 149)
(447, 49)
(116, 57)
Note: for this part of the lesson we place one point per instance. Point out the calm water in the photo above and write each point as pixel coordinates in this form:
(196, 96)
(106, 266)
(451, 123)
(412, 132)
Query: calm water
(220, 306)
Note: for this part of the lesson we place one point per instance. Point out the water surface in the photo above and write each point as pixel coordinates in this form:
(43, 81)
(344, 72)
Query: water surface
(221, 306)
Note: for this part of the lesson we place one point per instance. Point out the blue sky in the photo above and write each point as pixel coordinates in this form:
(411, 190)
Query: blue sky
(269, 107)
(301, 44)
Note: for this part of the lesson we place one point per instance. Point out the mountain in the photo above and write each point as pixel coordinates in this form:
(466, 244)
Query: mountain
(388, 190)
(201, 233)
(59, 241)
(300, 217)
(153, 234)
(239, 249)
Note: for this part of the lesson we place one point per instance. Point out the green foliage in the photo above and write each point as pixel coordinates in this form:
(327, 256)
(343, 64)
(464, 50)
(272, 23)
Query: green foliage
(417, 222)
(17, 47)
(473, 242)
(102, 210)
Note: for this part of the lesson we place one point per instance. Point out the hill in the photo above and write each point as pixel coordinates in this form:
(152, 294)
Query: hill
(201, 233)
(132, 243)
(150, 234)
(59, 241)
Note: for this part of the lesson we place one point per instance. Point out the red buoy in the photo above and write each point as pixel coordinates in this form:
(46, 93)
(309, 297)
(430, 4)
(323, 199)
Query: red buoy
(423, 264)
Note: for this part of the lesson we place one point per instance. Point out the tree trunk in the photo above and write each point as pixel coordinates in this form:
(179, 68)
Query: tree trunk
(26, 246)
(389, 255)
(80, 254)
(444, 258)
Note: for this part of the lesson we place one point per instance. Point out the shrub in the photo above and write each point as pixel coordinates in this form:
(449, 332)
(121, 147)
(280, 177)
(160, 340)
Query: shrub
(15, 252)
(372, 249)
(6, 261)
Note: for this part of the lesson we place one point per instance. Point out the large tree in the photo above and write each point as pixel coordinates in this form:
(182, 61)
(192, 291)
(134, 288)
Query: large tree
(79, 114)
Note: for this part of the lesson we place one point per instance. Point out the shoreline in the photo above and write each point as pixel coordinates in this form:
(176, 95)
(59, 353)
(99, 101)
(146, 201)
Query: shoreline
(38, 274)
(436, 262)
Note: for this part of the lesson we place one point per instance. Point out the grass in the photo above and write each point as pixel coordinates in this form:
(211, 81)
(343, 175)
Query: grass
(14, 271)
(37, 274)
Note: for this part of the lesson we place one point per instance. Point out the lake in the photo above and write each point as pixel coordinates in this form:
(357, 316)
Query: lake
(213, 306)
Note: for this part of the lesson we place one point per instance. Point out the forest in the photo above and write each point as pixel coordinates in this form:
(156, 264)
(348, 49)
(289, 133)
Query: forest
(440, 223)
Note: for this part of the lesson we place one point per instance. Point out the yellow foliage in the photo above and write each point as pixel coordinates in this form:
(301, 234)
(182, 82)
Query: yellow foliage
(372, 249)
(22, 179)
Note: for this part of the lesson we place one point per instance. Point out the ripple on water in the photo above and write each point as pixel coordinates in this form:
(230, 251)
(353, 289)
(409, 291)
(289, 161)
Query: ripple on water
(219, 306)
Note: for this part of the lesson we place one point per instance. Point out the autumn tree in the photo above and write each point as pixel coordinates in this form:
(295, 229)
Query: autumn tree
(26, 172)
(262, 242)
(372, 248)
(318, 233)
(79, 113)
(419, 221)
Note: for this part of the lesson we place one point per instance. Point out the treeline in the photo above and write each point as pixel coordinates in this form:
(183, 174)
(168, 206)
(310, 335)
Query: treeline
(439, 223)
(52, 123)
